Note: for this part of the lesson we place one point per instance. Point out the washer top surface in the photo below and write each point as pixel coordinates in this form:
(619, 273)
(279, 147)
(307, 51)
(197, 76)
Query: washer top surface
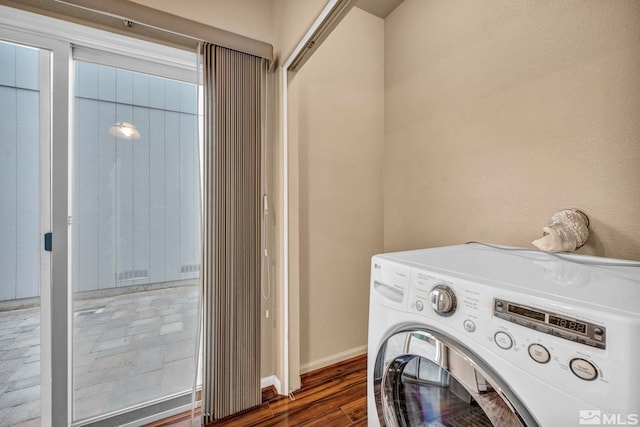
(574, 278)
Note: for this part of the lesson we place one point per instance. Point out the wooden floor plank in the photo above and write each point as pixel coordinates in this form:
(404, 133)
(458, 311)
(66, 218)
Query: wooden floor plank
(306, 395)
(357, 409)
(319, 376)
(249, 417)
(359, 423)
(333, 419)
(334, 396)
(318, 408)
(269, 393)
(180, 420)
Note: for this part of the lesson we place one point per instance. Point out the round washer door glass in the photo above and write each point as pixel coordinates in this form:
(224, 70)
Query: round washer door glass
(427, 381)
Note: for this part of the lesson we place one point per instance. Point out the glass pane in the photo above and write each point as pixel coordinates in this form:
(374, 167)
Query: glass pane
(20, 218)
(135, 239)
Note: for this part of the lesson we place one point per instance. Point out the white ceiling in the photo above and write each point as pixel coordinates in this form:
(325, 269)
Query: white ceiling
(380, 8)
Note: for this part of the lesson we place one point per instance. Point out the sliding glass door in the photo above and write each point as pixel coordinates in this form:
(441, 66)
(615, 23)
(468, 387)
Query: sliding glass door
(99, 225)
(135, 238)
(24, 220)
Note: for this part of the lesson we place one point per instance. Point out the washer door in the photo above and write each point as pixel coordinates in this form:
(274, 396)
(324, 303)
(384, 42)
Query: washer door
(423, 379)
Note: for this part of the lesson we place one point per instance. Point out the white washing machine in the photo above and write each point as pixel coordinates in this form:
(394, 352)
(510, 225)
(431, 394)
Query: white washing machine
(473, 335)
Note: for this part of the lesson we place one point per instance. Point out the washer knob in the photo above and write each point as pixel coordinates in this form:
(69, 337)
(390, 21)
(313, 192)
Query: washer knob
(443, 300)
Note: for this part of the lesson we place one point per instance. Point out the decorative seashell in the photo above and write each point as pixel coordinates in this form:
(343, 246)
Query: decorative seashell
(567, 231)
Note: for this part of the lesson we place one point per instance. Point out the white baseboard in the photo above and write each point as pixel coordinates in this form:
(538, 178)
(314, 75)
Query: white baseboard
(271, 381)
(334, 358)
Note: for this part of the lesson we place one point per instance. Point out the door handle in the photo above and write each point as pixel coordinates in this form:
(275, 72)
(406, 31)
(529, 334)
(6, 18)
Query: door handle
(47, 241)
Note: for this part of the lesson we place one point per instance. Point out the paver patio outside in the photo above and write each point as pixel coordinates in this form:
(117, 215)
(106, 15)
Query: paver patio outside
(128, 349)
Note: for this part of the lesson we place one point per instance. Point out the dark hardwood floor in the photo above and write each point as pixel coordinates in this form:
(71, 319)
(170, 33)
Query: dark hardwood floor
(335, 396)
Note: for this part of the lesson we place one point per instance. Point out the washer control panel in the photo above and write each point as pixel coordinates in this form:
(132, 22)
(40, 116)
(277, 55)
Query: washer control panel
(551, 323)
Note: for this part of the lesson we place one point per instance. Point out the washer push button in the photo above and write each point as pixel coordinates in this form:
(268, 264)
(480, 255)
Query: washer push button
(503, 340)
(539, 353)
(583, 369)
(469, 326)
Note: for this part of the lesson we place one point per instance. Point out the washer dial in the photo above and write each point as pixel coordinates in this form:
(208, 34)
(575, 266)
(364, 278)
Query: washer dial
(443, 300)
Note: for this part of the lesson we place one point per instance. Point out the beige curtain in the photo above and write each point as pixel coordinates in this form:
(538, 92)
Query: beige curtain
(232, 213)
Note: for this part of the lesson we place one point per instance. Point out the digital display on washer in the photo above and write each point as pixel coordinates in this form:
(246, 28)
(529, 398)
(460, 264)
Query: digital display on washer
(571, 325)
(548, 322)
(532, 314)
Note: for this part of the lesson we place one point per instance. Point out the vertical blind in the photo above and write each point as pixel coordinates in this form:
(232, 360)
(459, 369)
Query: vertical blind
(233, 84)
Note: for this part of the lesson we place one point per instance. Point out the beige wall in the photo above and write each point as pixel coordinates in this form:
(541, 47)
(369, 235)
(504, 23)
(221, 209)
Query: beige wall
(292, 20)
(338, 107)
(250, 18)
(498, 113)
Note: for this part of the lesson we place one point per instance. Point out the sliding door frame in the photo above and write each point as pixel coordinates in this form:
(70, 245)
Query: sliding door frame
(45, 227)
(325, 23)
(54, 296)
(61, 315)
